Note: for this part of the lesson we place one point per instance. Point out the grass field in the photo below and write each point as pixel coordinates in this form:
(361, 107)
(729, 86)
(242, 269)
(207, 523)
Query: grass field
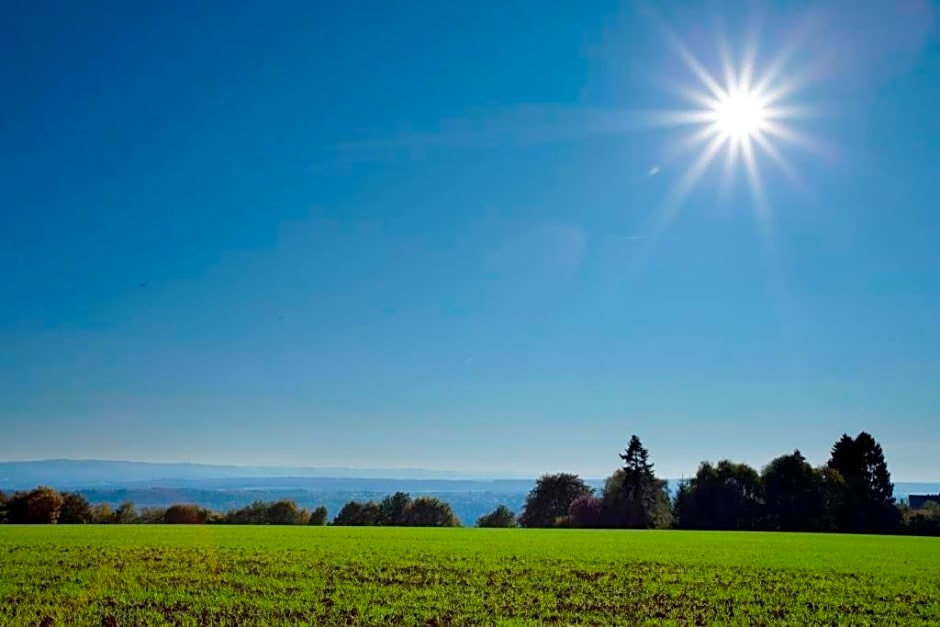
(205, 575)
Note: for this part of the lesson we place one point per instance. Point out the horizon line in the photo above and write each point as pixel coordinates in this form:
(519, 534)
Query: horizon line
(459, 474)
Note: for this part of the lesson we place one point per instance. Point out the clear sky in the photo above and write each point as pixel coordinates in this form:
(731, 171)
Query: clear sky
(461, 235)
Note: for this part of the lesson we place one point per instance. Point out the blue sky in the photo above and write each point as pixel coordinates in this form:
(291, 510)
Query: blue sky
(447, 235)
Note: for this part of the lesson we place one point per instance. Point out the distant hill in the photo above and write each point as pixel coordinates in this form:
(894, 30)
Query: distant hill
(225, 487)
(71, 472)
(76, 473)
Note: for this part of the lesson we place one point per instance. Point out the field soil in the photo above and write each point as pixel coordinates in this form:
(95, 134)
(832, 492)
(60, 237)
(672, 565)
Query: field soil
(214, 575)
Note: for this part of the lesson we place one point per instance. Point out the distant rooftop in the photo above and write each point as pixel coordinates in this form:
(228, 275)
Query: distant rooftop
(918, 501)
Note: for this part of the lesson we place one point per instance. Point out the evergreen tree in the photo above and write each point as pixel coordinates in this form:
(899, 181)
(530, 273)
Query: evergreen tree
(633, 496)
(869, 496)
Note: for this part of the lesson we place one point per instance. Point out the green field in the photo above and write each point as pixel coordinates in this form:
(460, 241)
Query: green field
(199, 575)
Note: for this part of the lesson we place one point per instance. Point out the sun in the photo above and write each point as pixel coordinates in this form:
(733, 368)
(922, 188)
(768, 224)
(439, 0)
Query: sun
(740, 115)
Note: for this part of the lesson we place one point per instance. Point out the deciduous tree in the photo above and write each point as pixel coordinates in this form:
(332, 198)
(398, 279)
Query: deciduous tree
(793, 494)
(185, 514)
(75, 509)
(726, 496)
(502, 516)
(285, 512)
(125, 514)
(152, 515)
(358, 514)
(318, 516)
(427, 511)
(394, 508)
(40, 506)
(550, 499)
(586, 511)
(101, 513)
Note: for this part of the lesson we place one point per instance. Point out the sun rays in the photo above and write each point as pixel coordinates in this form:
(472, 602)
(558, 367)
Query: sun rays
(740, 114)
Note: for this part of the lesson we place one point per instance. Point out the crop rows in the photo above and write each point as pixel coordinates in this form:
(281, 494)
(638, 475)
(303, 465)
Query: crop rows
(263, 575)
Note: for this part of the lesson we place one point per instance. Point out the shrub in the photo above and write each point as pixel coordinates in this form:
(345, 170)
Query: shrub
(502, 516)
(185, 514)
(586, 511)
(318, 516)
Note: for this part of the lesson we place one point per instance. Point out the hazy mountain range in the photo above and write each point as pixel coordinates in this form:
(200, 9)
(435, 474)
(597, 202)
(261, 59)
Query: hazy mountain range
(71, 472)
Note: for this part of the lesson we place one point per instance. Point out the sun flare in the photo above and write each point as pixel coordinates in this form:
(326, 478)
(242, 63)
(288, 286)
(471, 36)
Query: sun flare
(740, 115)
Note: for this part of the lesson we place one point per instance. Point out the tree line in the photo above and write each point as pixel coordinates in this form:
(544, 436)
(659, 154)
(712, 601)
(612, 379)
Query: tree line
(398, 510)
(851, 493)
(44, 505)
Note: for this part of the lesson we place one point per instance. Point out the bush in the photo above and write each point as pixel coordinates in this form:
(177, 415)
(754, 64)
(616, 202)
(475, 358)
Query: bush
(125, 514)
(285, 512)
(586, 511)
(75, 509)
(185, 514)
(394, 509)
(355, 514)
(426, 511)
(318, 516)
(254, 514)
(151, 515)
(101, 513)
(502, 516)
(921, 522)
